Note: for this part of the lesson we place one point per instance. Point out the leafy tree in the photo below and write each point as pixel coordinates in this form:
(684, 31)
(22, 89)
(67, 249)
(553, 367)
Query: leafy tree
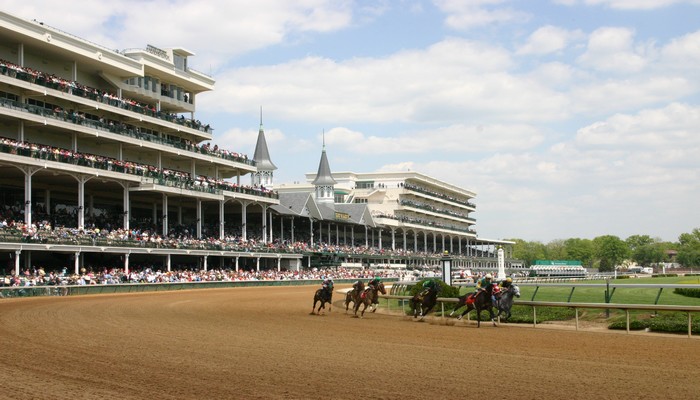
(556, 250)
(644, 250)
(528, 251)
(580, 249)
(610, 250)
(689, 249)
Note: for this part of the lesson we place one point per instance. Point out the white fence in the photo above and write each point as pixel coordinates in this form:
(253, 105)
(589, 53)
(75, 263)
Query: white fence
(575, 306)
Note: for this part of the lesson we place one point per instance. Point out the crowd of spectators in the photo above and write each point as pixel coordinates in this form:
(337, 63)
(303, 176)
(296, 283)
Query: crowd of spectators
(440, 195)
(38, 276)
(420, 221)
(28, 74)
(164, 176)
(56, 82)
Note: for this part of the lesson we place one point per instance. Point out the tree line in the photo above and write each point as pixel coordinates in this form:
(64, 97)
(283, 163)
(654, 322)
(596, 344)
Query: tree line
(606, 252)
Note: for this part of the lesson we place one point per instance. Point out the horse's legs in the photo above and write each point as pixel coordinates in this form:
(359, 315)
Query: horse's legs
(466, 311)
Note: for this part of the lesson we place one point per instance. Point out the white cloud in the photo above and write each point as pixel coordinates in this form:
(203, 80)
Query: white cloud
(611, 49)
(215, 29)
(465, 15)
(548, 39)
(451, 139)
(630, 4)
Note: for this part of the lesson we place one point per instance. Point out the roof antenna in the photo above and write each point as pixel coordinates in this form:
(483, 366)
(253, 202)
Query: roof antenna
(261, 117)
(324, 138)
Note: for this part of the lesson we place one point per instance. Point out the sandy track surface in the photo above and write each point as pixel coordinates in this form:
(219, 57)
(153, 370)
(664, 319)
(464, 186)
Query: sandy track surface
(261, 343)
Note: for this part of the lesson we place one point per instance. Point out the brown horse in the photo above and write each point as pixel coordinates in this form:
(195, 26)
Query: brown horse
(480, 301)
(323, 295)
(422, 303)
(369, 298)
(352, 295)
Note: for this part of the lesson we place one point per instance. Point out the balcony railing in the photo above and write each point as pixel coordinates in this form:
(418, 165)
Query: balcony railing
(120, 129)
(152, 174)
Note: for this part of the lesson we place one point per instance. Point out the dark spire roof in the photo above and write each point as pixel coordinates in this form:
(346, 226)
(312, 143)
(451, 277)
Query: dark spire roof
(323, 176)
(262, 155)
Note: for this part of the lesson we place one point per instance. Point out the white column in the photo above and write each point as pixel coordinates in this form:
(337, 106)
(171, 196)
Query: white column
(404, 239)
(244, 219)
(165, 215)
(393, 239)
(270, 227)
(81, 201)
(17, 254)
(415, 241)
(501, 264)
(168, 262)
(279, 263)
(236, 264)
(126, 263)
(257, 264)
(292, 229)
(76, 262)
(205, 263)
(380, 239)
(199, 218)
(366, 234)
(28, 172)
(221, 219)
(125, 207)
(329, 234)
(264, 223)
(311, 229)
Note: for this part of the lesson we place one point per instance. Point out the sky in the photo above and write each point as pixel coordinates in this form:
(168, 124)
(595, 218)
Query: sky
(567, 118)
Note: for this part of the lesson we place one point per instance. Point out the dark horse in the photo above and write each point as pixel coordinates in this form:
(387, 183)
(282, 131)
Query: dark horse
(479, 302)
(352, 295)
(323, 295)
(368, 298)
(422, 303)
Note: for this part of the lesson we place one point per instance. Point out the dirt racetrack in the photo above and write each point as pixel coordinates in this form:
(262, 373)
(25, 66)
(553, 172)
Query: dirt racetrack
(261, 343)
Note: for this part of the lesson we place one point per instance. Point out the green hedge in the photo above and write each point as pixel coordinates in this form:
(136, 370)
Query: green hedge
(687, 292)
(670, 322)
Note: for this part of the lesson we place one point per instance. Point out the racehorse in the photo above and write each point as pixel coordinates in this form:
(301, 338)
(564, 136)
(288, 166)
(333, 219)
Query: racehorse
(323, 295)
(504, 304)
(352, 295)
(368, 298)
(423, 302)
(480, 301)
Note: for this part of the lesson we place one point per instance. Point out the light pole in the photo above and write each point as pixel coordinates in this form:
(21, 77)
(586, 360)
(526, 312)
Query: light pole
(446, 262)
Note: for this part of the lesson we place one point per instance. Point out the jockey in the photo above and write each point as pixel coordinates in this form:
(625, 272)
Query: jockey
(358, 286)
(430, 284)
(327, 284)
(482, 284)
(374, 282)
(506, 283)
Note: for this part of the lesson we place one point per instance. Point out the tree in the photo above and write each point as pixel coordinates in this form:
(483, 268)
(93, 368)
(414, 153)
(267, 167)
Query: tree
(528, 251)
(580, 249)
(556, 250)
(644, 250)
(689, 249)
(610, 250)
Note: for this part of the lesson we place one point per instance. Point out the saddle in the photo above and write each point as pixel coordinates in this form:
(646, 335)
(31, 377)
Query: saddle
(471, 298)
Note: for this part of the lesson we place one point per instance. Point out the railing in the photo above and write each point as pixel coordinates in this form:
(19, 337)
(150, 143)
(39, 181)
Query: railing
(121, 129)
(438, 195)
(148, 173)
(102, 97)
(576, 306)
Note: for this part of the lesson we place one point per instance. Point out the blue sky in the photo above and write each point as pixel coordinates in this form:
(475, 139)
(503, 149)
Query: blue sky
(568, 118)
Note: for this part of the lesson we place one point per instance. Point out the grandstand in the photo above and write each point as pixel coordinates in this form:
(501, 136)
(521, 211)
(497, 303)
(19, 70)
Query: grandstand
(104, 162)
